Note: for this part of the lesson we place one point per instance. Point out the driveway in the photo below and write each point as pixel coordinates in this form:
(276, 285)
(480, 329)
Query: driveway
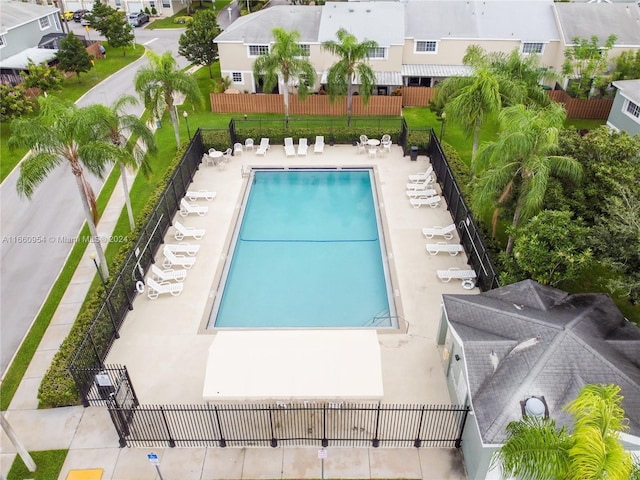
(38, 234)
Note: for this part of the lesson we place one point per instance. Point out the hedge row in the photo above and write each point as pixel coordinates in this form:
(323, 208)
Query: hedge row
(58, 388)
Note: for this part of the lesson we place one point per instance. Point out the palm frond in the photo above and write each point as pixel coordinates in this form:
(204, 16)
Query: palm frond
(35, 169)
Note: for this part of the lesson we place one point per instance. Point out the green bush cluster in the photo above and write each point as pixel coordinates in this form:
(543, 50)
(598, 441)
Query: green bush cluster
(183, 19)
(58, 388)
(419, 138)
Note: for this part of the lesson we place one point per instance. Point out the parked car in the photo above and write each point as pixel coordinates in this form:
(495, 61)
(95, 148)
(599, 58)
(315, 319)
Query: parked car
(67, 15)
(137, 19)
(78, 14)
(86, 20)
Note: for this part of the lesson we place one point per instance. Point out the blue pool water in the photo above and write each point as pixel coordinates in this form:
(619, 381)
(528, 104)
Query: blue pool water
(307, 254)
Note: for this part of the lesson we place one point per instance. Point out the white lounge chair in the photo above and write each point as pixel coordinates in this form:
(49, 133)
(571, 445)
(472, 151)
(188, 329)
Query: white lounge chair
(419, 186)
(468, 277)
(263, 147)
(156, 288)
(289, 149)
(194, 195)
(173, 259)
(186, 208)
(167, 275)
(319, 145)
(426, 176)
(432, 202)
(446, 232)
(186, 232)
(237, 149)
(248, 144)
(429, 192)
(452, 249)
(183, 247)
(302, 147)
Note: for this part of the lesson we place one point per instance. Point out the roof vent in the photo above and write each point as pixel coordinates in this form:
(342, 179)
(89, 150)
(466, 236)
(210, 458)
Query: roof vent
(535, 407)
(368, 11)
(351, 10)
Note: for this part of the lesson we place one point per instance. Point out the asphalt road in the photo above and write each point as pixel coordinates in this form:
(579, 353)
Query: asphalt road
(37, 234)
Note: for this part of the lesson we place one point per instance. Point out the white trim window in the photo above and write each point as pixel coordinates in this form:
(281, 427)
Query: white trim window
(306, 49)
(236, 77)
(166, 3)
(3, 41)
(426, 46)
(532, 47)
(44, 23)
(633, 110)
(379, 53)
(257, 50)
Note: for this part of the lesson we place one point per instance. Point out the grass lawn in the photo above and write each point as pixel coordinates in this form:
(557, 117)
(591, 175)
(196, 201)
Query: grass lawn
(48, 466)
(168, 22)
(72, 91)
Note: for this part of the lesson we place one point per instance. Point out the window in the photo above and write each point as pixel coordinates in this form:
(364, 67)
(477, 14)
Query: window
(379, 52)
(306, 49)
(118, 3)
(257, 50)
(528, 48)
(236, 77)
(44, 23)
(3, 42)
(426, 46)
(152, 4)
(166, 3)
(633, 109)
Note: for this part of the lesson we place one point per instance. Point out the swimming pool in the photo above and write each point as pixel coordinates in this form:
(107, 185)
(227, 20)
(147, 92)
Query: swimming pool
(308, 252)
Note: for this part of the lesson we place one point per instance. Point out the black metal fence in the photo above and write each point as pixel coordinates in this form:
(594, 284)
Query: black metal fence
(308, 423)
(97, 342)
(470, 235)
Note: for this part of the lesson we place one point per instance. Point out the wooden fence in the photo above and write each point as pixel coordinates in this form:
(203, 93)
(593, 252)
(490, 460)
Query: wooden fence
(417, 96)
(312, 105)
(592, 108)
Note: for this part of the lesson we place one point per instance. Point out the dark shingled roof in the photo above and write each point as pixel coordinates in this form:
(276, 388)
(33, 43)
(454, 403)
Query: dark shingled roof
(528, 339)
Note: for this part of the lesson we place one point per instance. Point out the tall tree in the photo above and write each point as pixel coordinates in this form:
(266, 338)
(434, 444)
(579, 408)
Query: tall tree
(288, 62)
(118, 125)
(63, 133)
(42, 76)
(518, 165)
(627, 65)
(197, 42)
(469, 101)
(158, 82)
(536, 449)
(585, 63)
(352, 66)
(72, 56)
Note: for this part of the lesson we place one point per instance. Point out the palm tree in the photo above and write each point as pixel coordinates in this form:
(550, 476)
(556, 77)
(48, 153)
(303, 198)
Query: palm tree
(118, 126)
(536, 449)
(469, 101)
(520, 162)
(158, 82)
(286, 60)
(64, 132)
(352, 65)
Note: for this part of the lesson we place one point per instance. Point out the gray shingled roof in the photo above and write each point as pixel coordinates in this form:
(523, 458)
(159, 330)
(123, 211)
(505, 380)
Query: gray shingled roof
(630, 89)
(19, 13)
(546, 343)
(256, 28)
(584, 20)
(523, 20)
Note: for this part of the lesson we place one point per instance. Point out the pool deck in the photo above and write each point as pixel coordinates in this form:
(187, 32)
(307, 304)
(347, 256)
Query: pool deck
(163, 343)
(165, 350)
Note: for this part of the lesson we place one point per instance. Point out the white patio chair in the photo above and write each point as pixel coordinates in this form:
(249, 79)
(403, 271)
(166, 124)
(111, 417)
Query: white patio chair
(248, 144)
(194, 195)
(432, 202)
(172, 259)
(168, 274)
(362, 147)
(373, 152)
(364, 139)
(303, 146)
(289, 149)
(452, 249)
(156, 288)
(186, 208)
(237, 148)
(184, 247)
(437, 231)
(188, 232)
(318, 147)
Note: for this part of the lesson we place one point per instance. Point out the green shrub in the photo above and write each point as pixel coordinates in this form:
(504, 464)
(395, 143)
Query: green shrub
(183, 19)
(154, 11)
(58, 388)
